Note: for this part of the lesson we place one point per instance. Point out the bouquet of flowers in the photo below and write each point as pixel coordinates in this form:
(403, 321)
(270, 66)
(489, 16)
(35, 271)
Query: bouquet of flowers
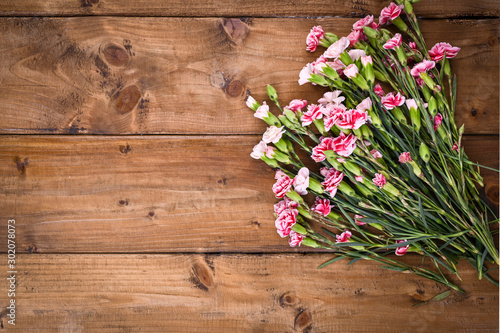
(391, 176)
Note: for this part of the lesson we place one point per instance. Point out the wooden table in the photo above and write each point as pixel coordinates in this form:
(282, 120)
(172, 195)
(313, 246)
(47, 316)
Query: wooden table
(125, 163)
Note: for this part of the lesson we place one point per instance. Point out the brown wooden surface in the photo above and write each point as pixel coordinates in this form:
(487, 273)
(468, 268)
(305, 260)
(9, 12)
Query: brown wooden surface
(151, 194)
(175, 233)
(98, 75)
(239, 293)
(273, 8)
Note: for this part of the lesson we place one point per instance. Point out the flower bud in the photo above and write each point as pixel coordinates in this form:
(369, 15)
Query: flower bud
(379, 76)
(252, 103)
(330, 72)
(345, 58)
(282, 146)
(365, 191)
(432, 106)
(318, 79)
(271, 92)
(291, 116)
(415, 118)
(367, 132)
(390, 189)
(332, 38)
(399, 115)
(429, 81)
(295, 197)
(304, 212)
(353, 168)
(334, 216)
(425, 153)
(398, 22)
(416, 169)
(346, 189)
(310, 242)
(284, 120)
(371, 33)
(271, 162)
(316, 186)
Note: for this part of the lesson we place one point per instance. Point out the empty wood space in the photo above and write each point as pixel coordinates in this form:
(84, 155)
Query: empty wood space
(124, 159)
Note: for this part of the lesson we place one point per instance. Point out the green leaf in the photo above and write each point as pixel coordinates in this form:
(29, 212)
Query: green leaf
(441, 296)
(331, 261)
(395, 268)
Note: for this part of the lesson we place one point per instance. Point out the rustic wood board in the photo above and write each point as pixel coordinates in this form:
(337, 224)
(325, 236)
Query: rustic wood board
(151, 194)
(442, 8)
(239, 293)
(102, 75)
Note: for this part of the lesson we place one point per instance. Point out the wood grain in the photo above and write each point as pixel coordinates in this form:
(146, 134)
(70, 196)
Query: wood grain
(238, 293)
(102, 75)
(150, 194)
(274, 8)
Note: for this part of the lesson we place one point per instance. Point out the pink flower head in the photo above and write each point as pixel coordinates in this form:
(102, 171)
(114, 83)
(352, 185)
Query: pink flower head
(333, 114)
(400, 251)
(273, 134)
(252, 103)
(438, 119)
(336, 49)
(364, 105)
(286, 203)
(296, 105)
(351, 71)
(313, 38)
(301, 181)
(411, 104)
(352, 119)
(438, 51)
(455, 146)
(285, 221)
(412, 45)
(379, 180)
(337, 65)
(378, 90)
(421, 67)
(283, 184)
(393, 43)
(259, 150)
(295, 239)
(357, 221)
(376, 154)
(364, 22)
(343, 237)
(365, 60)
(390, 101)
(319, 64)
(305, 74)
(313, 112)
(344, 145)
(318, 153)
(333, 177)
(359, 179)
(270, 152)
(355, 54)
(262, 111)
(405, 157)
(355, 36)
(390, 13)
(322, 206)
(332, 97)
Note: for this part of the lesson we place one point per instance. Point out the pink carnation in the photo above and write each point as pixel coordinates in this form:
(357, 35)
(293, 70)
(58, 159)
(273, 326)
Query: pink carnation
(364, 105)
(355, 36)
(295, 239)
(357, 221)
(343, 237)
(352, 119)
(351, 71)
(262, 111)
(285, 221)
(336, 49)
(332, 97)
(322, 206)
(438, 119)
(376, 154)
(379, 180)
(313, 38)
(412, 45)
(344, 145)
(390, 13)
(319, 64)
(455, 146)
(301, 181)
(270, 152)
(394, 42)
(359, 179)
(286, 203)
(401, 250)
(365, 60)
(337, 65)
(313, 112)
(421, 67)
(318, 153)
(305, 74)
(405, 157)
(378, 90)
(333, 177)
(364, 22)
(390, 101)
(283, 184)
(296, 105)
(438, 51)
(333, 113)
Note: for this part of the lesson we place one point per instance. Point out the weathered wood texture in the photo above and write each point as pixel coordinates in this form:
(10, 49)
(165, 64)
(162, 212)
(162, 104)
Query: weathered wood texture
(274, 8)
(96, 75)
(238, 293)
(150, 194)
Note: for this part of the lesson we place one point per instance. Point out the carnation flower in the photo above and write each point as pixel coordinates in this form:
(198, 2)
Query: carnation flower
(377, 89)
(296, 105)
(411, 104)
(313, 112)
(318, 154)
(322, 206)
(401, 250)
(405, 157)
(364, 22)
(283, 184)
(286, 203)
(352, 119)
(332, 115)
(333, 177)
(336, 49)
(285, 221)
(393, 43)
(376, 154)
(355, 54)
(438, 119)
(421, 67)
(351, 71)
(305, 74)
(273, 134)
(355, 36)
(379, 180)
(332, 97)
(357, 221)
(438, 51)
(259, 150)
(364, 105)
(390, 101)
(301, 181)
(344, 145)
(295, 239)
(262, 111)
(313, 38)
(343, 237)
(390, 13)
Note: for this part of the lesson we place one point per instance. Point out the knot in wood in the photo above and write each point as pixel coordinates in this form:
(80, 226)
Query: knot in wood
(126, 99)
(115, 55)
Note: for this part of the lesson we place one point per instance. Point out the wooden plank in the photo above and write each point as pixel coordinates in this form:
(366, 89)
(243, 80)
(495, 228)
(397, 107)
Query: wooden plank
(238, 293)
(101, 75)
(444, 8)
(150, 194)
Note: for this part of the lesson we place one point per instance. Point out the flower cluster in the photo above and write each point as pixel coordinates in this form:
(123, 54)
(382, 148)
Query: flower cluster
(391, 174)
